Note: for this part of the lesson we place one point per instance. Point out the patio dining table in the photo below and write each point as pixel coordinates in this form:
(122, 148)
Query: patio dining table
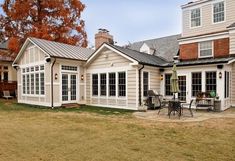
(175, 106)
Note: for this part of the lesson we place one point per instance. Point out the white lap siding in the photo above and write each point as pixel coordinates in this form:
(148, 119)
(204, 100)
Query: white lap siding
(111, 62)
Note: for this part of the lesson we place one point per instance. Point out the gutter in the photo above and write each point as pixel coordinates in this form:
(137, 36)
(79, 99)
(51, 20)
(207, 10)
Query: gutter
(140, 94)
(52, 86)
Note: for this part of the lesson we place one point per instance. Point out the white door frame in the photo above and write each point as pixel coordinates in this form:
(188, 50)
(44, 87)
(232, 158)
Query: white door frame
(69, 86)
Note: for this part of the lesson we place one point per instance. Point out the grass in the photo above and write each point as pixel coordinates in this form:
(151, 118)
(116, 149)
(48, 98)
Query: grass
(92, 134)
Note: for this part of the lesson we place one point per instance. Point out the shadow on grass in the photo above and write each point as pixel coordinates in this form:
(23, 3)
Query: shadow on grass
(8, 106)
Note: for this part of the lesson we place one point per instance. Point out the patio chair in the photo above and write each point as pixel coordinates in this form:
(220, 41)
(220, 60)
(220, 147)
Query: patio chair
(6, 94)
(187, 106)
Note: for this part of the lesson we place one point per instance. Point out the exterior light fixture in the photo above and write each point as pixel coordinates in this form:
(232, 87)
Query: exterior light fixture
(220, 75)
(161, 77)
(82, 77)
(56, 76)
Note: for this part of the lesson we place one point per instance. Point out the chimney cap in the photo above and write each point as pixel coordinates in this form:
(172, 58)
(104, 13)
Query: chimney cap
(103, 30)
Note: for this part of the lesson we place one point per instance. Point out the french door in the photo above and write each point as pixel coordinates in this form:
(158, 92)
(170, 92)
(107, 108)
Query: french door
(69, 88)
(182, 87)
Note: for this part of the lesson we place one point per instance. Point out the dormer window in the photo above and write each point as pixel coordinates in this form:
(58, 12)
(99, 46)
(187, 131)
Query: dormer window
(206, 49)
(196, 17)
(218, 12)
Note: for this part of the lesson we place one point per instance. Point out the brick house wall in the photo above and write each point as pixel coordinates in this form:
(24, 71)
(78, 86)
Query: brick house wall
(190, 51)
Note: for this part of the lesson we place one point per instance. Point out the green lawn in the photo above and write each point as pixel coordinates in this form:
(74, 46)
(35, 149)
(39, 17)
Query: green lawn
(30, 133)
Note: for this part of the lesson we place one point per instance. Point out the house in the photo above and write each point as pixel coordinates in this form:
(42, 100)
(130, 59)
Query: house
(50, 73)
(53, 74)
(7, 72)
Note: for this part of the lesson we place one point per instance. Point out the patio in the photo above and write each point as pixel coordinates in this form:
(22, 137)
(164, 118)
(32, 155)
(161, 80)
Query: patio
(200, 115)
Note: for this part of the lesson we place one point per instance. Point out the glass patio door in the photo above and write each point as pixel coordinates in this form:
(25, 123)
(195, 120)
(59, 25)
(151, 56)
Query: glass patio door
(69, 88)
(182, 87)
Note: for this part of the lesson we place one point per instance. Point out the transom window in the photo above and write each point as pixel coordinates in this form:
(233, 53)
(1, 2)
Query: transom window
(145, 83)
(70, 68)
(205, 49)
(103, 84)
(168, 85)
(33, 80)
(196, 17)
(211, 82)
(218, 12)
(196, 83)
(112, 84)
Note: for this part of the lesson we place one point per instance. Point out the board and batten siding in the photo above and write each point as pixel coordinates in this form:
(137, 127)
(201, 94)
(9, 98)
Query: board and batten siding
(207, 25)
(108, 62)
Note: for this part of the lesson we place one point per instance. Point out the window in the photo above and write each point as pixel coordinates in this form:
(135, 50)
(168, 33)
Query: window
(33, 80)
(196, 17)
(226, 84)
(145, 83)
(196, 83)
(206, 49)
(103, 84)
(210, 81)
(218, 12)
(27, 84)
(70, 68)
(168, 85)
(37, 82)
(42, 83)
(24, 84)
(95, 84)
(122, 84)
(5, 76)
(112, 84)
(32, 83)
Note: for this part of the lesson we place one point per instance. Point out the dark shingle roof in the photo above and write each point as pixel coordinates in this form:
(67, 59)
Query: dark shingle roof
(62, 50)
(140, 57)
(165, 47)
(232, 25)
(204, 61)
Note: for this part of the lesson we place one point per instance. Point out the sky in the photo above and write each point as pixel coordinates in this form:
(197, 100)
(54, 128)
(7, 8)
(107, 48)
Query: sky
(132, 20)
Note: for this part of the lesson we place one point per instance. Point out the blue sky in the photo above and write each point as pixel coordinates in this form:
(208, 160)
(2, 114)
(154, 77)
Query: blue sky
(132, 20)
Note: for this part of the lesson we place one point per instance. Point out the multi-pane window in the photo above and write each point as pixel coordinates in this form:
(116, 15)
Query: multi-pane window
(206, 49)
(5, 76)
(196, 83)
(211, 82)
(112, 84)
(218, 12)
(122, 84)
(168, 85)
(226, 84)
(95, 84)
(24, 84)
(195, 17)
(70, 68)
(33, 80)
(145, 83)
(103, 84)
(4, 73)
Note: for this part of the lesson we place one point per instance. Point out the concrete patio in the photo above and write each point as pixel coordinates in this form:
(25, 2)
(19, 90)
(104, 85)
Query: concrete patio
(199, 115)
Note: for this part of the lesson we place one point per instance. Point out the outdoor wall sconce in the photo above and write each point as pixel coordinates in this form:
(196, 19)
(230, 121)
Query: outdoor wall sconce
(161, 77)
(56, 76)
(82, 77)
(220, 75)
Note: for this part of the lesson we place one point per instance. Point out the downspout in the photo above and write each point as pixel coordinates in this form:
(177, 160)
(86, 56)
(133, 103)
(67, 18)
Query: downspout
(140, 84)
(52, 86)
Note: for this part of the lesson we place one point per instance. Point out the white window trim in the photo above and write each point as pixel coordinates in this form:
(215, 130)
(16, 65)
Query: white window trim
(199, 50)
(190, 18)
(192, 82)
(107, 86)
(143, 82)
(212, 12)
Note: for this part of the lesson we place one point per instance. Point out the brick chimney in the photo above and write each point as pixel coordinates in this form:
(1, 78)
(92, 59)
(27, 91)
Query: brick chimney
(103, 36)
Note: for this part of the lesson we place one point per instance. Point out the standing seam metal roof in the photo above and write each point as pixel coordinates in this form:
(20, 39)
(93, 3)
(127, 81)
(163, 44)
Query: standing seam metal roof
(56, 49)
